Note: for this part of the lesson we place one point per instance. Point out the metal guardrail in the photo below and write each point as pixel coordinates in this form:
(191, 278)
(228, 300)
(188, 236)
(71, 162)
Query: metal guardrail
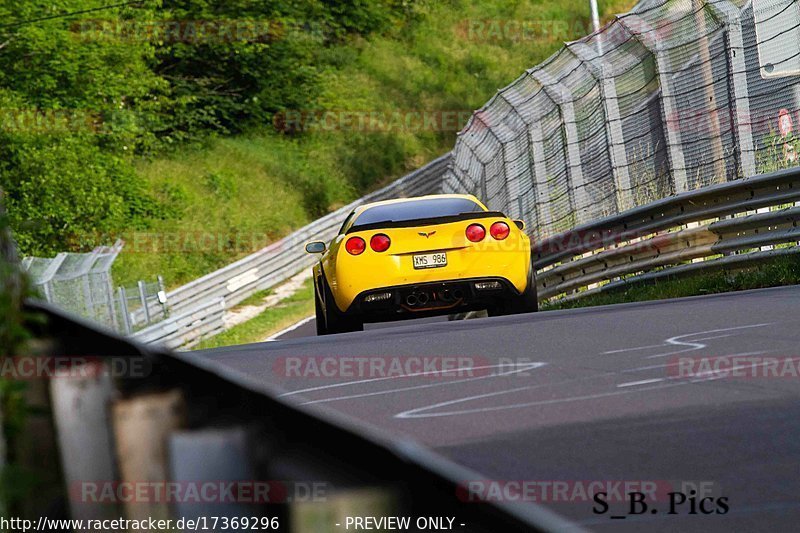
(666, 237)
(162, 417)
(186, 329)
(272, 265)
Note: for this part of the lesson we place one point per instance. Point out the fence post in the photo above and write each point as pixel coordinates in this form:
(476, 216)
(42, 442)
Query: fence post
(520, 162)
(88, 297)
(562, 98)
(162, 296)
(123, 309)
(729, 14)
(110, 300)
(643, 32)
(604, 75)
(47, 276)
(143, 300)
(540, 174)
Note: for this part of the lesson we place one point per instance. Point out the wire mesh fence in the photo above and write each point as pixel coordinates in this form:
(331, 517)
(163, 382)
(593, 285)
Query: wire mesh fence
(78, 282)
(671, 97)
(82, 283)
(142, 304)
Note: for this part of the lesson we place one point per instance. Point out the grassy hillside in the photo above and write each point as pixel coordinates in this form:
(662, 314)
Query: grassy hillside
(184, 143)
(450, 57)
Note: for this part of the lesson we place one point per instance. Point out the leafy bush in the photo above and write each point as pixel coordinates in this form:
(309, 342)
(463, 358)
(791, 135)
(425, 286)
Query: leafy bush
(14, 484)
(66, 193)
(82, 96)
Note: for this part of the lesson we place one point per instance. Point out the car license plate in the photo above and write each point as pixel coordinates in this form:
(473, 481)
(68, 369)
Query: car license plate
(430, 260)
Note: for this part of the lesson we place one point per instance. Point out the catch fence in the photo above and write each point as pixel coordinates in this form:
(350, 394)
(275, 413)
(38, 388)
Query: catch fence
(672, 97)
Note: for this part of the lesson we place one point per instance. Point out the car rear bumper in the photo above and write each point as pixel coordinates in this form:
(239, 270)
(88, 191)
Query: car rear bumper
(433, 298)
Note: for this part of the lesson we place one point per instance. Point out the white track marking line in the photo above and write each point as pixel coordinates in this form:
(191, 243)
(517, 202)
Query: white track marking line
(691, 346)
(642, 382)
(686, 341)
(526, 366)
(402, 389)
(667, 365)
(293, 327)
(609, 352)
(415, 413)
(671, 381)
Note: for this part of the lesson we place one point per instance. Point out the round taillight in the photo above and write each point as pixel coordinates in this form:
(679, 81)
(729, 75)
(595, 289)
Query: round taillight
(380, 242)
(499, 230)
(355, 245)
(475, 232)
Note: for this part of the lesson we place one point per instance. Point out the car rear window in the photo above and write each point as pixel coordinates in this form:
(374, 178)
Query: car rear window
(416, 209)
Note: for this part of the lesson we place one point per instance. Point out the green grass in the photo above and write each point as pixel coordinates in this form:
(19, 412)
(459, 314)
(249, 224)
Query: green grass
(287, 312)
(779, 272)
(262, 185)
(234, 197)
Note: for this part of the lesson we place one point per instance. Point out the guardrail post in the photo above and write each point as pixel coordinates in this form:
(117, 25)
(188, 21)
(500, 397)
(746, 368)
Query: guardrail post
(604, 74)
(162, 296)
(561, 96)
(83, 425)
(729, 14)
(143, 300)
(643, 32)
(142, 426)
(221, 455)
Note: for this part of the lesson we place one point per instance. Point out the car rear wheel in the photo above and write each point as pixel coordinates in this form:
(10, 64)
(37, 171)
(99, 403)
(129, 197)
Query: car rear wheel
(322, 328)
(527, 302)
(335, 320)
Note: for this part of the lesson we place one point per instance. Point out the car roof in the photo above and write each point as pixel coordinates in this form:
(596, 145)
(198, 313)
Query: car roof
(360, 209)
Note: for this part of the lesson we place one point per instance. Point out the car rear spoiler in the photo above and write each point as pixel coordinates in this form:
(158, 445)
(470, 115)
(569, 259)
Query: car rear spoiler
(425, 221)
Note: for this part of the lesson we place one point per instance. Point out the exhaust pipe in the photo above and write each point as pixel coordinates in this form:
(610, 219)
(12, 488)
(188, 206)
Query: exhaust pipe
(422, 298)
(458, 294)
(412, 300)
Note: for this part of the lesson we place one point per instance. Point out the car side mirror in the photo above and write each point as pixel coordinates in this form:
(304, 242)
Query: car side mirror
(520, 224)
(316, 247)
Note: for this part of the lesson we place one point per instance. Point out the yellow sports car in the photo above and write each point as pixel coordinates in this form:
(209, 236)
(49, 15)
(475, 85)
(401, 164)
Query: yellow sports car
(415, 257)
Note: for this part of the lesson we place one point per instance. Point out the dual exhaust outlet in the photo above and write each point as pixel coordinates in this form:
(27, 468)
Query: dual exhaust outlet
(422, 298)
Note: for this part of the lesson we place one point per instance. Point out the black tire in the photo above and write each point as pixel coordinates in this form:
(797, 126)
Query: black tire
(335, 320)
(527, 302)
(322, 328)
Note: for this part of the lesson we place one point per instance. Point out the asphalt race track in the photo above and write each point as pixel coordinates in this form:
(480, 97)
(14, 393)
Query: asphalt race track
(589, 395)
